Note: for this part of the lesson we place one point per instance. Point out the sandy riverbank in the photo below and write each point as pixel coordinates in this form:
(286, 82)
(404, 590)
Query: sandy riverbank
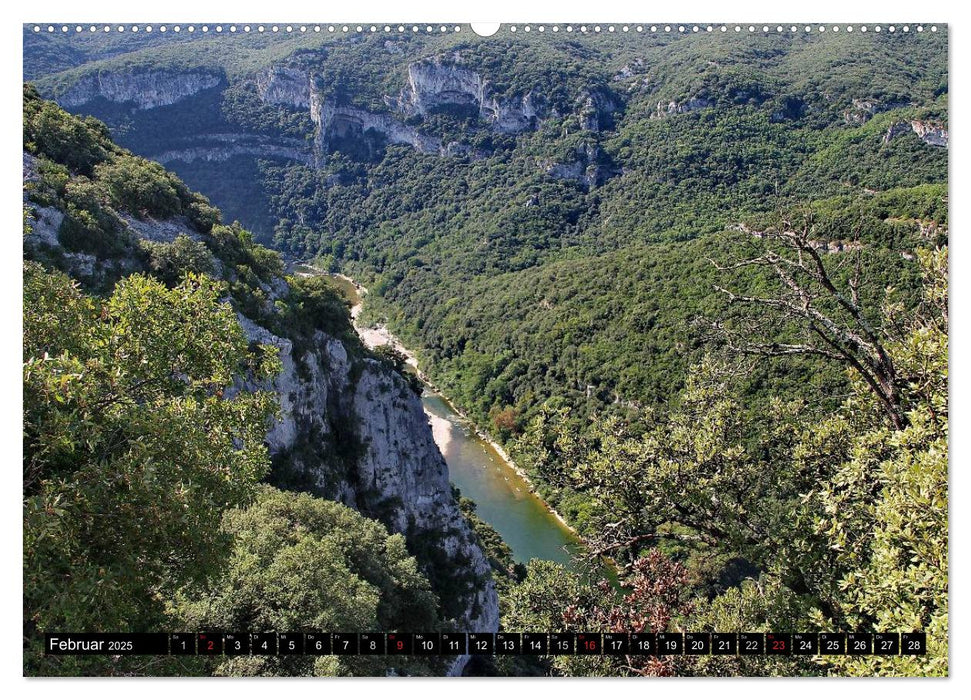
(441, 430)
(486, 438)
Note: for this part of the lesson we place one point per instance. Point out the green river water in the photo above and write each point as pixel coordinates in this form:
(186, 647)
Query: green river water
(503, 499)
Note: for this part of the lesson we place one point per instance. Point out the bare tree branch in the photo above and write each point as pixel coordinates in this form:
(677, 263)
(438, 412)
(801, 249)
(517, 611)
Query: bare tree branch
(810, 297)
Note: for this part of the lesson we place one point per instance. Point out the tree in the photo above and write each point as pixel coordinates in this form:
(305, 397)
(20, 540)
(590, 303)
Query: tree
(140, 186)
(132, 449)
(170, 261)
(304, 563)
(834, 324)
(843, 515)
(886, 511)
(700, 480)
(80, 144)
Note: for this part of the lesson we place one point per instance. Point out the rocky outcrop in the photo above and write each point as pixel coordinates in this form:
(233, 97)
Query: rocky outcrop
(596, 109)
(45, 224)
(434, 84)
(145, 89)
(284, 85)
(442, 84)
(930, 133)
(221, 147)
(693, 104)
(862, 110)
(296, 87)
(338, 123)
(591, 168)
(515, 115)
(831, 247)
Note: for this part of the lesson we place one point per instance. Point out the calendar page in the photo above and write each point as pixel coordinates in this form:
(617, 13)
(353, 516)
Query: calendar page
(526, 349)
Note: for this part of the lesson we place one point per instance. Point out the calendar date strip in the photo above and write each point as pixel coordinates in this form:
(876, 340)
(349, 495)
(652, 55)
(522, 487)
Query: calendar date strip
(486, 643)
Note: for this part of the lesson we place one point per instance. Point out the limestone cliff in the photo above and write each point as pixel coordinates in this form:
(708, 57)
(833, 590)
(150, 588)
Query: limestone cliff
(590, 166)
(932, 134)
(435, 84)
(693, 104)
(352, 429)
(297, 88)
(440, 84)
(861, 110)
(145, 89)
(217, 148)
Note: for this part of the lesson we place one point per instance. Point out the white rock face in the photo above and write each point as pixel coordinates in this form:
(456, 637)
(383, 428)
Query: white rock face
(351, 428)
(295, 87)
(862, 110)
(222, 147)
(286, 86)
(146, 89)
(513, 116)
(156, 88)
(44, 222)
(344, 122)
(432, 84)
(931, 134)
(690, 105)
(592, 107)
(586, 168)
(398, 473)
(436, 84)
(928, 132)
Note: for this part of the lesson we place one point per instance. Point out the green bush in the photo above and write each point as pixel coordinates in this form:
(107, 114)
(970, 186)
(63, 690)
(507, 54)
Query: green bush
(139, 186)
(202, 214)
(87, 226)
(171, 261)
(80, 144)
(131, 452)
(304, 563)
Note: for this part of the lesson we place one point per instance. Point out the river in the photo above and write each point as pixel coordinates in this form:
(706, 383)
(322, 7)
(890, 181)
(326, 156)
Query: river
(503, 498)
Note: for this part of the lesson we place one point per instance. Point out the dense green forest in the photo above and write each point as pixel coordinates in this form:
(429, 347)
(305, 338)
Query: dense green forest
(700, 295)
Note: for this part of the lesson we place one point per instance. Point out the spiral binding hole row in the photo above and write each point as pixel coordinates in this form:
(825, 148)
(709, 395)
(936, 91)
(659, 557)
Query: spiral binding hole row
(442, 29)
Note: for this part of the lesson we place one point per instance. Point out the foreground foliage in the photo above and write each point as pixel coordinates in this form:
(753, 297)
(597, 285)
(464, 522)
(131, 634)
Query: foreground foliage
(843, 516)
(303, 563)
(144, 438)
(132, 450)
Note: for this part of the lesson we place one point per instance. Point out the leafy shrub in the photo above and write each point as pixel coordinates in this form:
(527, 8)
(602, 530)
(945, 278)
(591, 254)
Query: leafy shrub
(123, 410)
(202, 214)
(79, 144)
(139, 186)
(87, 226)
(171, 261)
(304, 563)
